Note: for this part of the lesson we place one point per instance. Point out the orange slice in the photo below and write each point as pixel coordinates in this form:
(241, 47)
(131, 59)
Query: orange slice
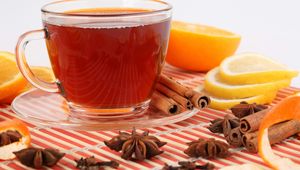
(11, 80)
(7, 151)
(199, 47)
(43, 73)
(287, 109)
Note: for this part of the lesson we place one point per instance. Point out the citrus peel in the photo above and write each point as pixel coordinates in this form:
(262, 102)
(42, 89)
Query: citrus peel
(6, 151)
(287, 109)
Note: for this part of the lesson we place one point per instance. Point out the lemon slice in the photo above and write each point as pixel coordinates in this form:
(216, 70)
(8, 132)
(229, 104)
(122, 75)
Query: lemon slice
(11, 80)
(224, 104)
(215, 86)
(252, 68)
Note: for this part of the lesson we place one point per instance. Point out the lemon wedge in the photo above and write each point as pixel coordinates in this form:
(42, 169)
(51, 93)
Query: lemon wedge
(216, 87)
(252, 68)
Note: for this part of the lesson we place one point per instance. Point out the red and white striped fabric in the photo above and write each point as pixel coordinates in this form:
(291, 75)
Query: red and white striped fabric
(77, 144)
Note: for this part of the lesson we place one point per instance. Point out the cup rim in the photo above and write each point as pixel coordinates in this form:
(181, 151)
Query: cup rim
(44, 10)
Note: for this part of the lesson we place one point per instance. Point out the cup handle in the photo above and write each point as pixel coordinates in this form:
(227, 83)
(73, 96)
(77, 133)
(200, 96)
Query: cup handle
(22, 63)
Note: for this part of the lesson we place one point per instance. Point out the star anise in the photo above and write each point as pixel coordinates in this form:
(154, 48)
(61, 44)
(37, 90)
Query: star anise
(244, 109)
(9, 137)
(187, 165)
(36, 157)
(230, 122)
(91, 163)
(216, 126)
(207, 148)
(135, 145)
(223, 125)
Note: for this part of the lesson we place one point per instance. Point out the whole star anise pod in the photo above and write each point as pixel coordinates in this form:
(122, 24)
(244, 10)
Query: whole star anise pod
(36, 157)
(230, 122)
(244, 109)
(224, 125)
(207, 148)
(187, 165)
(91, 163)
(9, 137)
(216, 126)
(135, 145)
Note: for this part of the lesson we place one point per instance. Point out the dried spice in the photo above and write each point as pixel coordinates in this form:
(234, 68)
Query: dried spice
(207, 148)
(230, 122)
(36, 157)
(244, 109)
(234, 138)
(9, 137)
(187, 165)
(216, 126)
(137, 146)
(91, 163)
(223, 125)
(14, 136)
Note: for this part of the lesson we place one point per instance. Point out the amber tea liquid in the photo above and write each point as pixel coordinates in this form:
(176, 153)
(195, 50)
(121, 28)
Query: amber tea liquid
(107, 65)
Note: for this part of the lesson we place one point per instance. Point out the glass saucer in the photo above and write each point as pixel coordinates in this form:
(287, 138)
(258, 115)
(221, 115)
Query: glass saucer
(51, 109)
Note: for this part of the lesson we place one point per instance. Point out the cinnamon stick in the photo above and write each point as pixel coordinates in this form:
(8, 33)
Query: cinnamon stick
(234, 138)
(251, 123)
(176, 86)
(248, 142)
(277, 133)
(165, 104)
(175, 96)
(199, 100)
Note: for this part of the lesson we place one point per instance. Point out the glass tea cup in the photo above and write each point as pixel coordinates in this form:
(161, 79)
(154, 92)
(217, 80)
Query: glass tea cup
(106, 55)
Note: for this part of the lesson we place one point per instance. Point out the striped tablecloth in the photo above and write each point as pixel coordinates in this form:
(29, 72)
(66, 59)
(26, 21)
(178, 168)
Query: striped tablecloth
(77, 144)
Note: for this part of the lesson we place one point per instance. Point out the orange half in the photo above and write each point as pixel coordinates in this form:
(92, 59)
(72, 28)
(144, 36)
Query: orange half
(11, 80)
(43, 73)
(199, 47)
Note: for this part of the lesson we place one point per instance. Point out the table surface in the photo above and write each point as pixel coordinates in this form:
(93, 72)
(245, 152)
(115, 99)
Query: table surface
(78, 144)
(268, 27)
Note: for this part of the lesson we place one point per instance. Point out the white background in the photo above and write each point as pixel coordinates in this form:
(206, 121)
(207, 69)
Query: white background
(270, 27)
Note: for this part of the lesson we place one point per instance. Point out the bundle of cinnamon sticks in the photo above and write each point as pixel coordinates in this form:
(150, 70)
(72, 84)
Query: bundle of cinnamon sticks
(249, 128)
(172, 97)
(243, 131)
